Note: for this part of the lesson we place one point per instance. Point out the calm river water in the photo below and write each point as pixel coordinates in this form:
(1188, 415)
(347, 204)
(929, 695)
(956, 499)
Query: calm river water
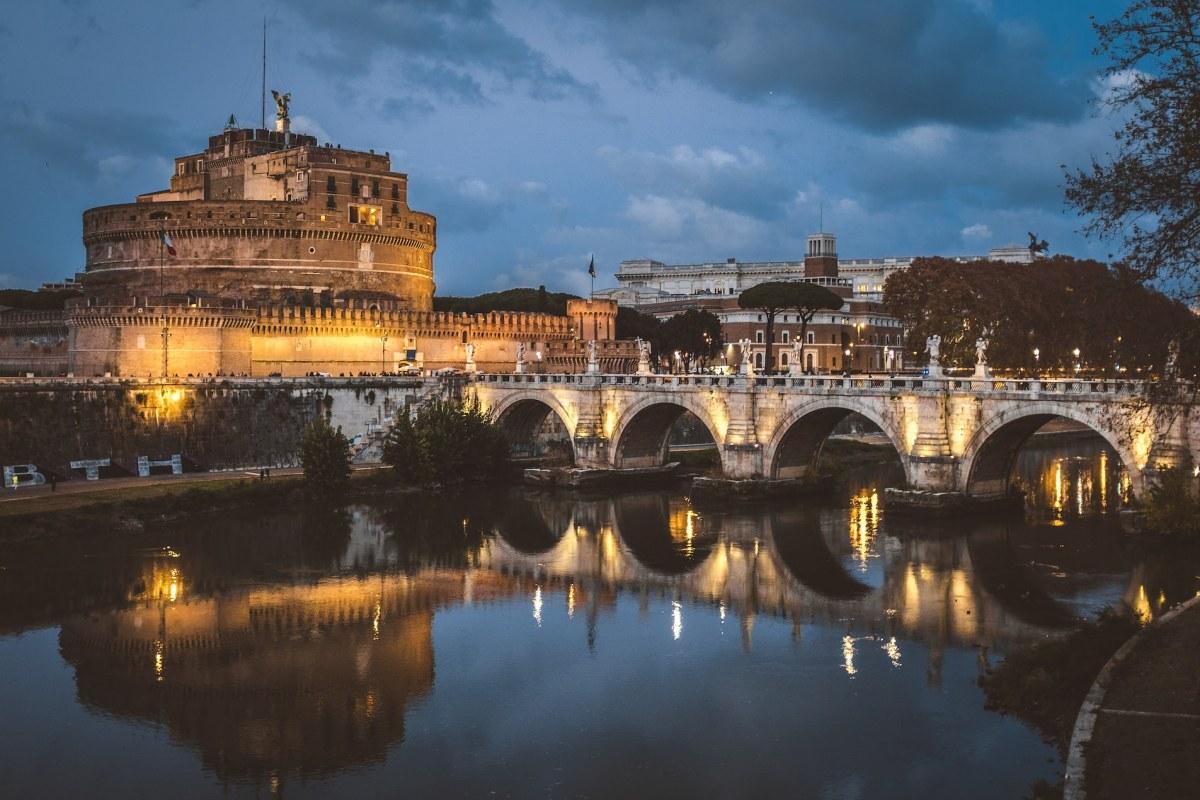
(503, 643)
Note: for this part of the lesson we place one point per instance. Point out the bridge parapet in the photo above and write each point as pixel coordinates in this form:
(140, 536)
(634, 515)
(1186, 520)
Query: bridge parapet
(952, 434)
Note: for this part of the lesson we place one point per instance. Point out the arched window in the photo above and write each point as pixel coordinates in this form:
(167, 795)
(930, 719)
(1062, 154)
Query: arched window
(783, 358)
(786, 337)
(758, 337)
(758, 360)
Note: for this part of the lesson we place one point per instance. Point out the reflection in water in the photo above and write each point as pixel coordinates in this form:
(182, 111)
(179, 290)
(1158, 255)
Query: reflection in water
(1077, 479)
(285, 648)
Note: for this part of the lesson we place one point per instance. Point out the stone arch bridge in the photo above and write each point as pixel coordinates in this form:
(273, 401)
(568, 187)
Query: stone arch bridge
(951, 434)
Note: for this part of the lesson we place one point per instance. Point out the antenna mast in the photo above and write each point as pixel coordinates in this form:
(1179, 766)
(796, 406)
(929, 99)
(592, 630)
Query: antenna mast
(264, 76)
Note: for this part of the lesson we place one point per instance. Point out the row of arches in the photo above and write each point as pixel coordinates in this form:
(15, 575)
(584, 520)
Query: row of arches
(644, 434)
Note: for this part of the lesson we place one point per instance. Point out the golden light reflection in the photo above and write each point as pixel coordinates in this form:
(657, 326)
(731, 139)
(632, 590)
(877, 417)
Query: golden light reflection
(721, 611)
(892, 648)
(571, 600)
(159, 653)
(676, 619)
(1056, 504)
(848, 655)
(1103, 481)
(537, 606)
(375, 621)
(1141, 606)
(864, 526)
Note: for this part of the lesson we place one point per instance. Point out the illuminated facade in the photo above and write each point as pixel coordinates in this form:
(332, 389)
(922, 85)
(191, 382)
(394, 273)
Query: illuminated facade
(269, 254)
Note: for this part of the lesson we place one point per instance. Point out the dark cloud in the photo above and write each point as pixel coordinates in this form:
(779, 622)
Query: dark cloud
(84, 143)
(880, 64)
(447, 50)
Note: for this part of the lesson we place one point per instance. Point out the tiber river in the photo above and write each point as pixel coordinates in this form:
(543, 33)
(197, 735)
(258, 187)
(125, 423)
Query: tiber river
(503, 643)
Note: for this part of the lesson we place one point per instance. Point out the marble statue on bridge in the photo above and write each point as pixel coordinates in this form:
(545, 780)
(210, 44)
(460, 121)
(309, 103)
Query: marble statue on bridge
(747, 363)
(644, 367)
(796, 360)
(981, 367)
(470, 365)
(520, 365)
(933, 346)
(593, 363)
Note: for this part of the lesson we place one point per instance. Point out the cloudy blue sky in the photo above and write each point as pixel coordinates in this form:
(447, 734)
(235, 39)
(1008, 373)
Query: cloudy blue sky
(539, 131)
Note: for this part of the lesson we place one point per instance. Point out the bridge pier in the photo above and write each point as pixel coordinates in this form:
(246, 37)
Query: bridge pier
(742, 461)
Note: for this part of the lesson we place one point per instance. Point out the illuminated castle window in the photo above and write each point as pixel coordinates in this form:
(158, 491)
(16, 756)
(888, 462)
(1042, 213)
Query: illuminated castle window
(366, 215)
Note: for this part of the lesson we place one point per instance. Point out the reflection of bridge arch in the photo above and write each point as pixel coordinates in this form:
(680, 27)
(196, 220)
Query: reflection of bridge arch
(525, 526)
(521, 415)
(641, 433)
(796, 444)
(987, 462)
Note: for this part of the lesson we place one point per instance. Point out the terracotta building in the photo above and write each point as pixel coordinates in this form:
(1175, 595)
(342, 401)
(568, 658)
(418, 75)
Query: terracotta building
(859, 336)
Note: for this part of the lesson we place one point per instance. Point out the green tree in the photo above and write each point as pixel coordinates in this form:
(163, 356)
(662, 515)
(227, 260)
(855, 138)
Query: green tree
(774, 297)
(695, 335)
(1147, 194)
(325, 456)
(1054, 305)
(446, 442)
(633, 324)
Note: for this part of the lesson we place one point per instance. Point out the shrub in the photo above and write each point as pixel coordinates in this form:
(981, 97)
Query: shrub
(1172, 507)
(446, 442)
(325, 456)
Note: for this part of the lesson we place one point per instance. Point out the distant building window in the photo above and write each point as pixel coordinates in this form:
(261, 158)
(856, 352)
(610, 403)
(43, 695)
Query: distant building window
(330, 202)
(395, 208)
(374, 188)
(330, 185)
(783, 359)
(786, 337)
(758, 337)
(354, 186)
(365, 215)
(833, 338)
(810, 338)
(758, 360)
(395, 192)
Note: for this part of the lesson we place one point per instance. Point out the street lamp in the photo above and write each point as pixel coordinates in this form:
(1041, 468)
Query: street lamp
(1037, 355)
(846, 362)
(1076, 353)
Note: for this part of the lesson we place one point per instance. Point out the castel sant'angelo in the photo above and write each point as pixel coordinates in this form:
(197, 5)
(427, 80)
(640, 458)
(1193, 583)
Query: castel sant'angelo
(273, 254)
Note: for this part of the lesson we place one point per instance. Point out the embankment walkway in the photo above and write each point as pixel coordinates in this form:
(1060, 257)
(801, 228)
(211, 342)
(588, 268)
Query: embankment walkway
(1146, 739)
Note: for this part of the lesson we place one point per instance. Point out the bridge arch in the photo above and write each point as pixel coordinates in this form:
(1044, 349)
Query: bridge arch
(986, 465)
(521, 415)
(640, 435)
(795, 445)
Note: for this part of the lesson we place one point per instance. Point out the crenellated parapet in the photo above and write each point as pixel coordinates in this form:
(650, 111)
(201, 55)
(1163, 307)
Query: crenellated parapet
(370, 319)
(174, 316)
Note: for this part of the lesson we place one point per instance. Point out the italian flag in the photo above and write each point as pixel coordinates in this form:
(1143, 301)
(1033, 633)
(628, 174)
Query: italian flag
(167, 243)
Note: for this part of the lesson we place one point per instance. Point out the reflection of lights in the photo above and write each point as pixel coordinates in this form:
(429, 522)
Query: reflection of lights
(721, 611)
(1057, 505)
(1141, 606)
(864, 525)
(571, 600)
(1103, 481)
(676, 619)
(375, 621)
(892, 648)
(159, 651)
(848, 655)
(537, 606)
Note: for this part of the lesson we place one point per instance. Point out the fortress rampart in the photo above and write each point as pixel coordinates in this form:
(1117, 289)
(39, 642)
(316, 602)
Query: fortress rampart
(258, 250)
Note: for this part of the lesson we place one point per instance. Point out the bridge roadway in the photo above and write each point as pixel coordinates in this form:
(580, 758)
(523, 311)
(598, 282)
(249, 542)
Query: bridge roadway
(958, 435)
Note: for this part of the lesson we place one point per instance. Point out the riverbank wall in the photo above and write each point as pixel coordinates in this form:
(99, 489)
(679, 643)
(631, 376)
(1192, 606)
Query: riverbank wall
(68, 429)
